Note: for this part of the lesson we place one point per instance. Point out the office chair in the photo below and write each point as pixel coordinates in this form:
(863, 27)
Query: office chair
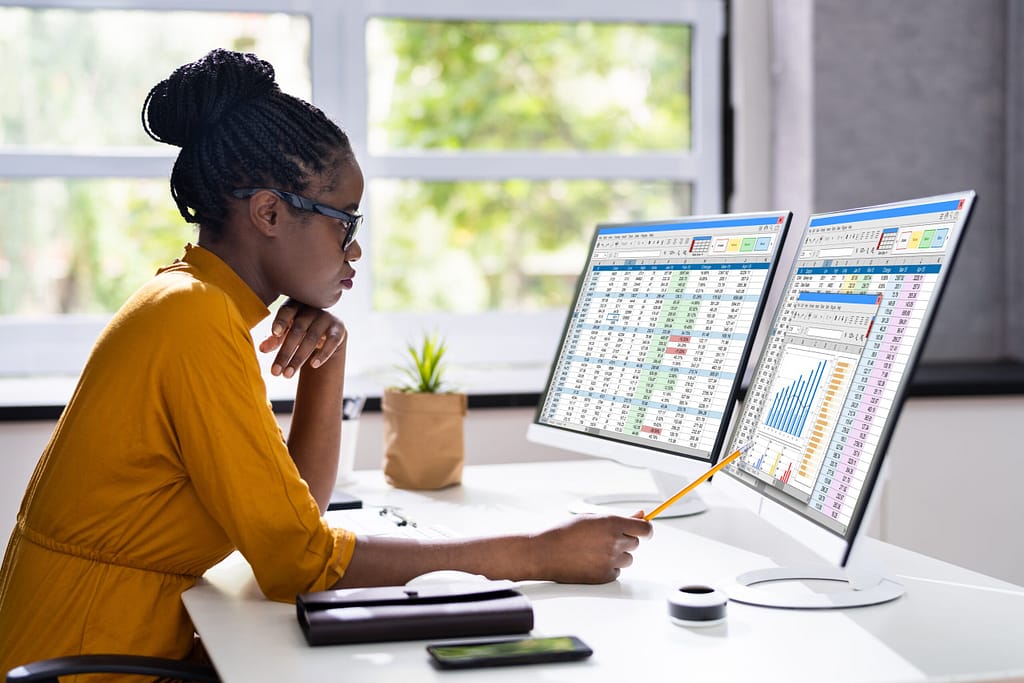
(50, 670)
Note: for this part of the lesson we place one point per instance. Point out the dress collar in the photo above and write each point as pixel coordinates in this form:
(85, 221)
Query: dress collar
(210, 268)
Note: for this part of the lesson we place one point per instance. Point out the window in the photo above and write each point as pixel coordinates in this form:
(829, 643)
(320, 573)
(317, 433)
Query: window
(85, 211)
(492, 141)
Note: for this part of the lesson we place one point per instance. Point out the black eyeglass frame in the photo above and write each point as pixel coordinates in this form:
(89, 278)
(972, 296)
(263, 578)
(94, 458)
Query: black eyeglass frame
(351, 221)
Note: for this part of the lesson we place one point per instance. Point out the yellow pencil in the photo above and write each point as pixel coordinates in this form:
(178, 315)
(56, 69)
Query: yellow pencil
(697, 482)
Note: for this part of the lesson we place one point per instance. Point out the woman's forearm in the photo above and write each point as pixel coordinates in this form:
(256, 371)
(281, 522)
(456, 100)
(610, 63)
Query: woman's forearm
(315, 435)
(583, 549)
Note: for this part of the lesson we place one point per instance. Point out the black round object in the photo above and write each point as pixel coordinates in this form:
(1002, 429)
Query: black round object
(696, 605)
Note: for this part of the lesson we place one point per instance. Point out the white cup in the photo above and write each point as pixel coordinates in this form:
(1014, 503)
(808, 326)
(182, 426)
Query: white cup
(347, 455)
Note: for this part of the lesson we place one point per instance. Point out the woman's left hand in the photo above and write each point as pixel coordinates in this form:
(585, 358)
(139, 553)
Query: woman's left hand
(302, 334)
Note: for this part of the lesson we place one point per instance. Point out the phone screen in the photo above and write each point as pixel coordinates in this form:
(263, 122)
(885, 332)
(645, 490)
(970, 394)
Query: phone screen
(507, 652)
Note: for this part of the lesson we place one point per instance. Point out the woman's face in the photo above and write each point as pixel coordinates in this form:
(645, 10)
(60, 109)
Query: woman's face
(309, 262)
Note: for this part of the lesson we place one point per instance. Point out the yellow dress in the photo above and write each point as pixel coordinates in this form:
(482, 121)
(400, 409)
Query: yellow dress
(166, 459)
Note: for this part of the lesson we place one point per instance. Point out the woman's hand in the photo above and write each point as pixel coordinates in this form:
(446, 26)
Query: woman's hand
(302, 334)
(589, 548)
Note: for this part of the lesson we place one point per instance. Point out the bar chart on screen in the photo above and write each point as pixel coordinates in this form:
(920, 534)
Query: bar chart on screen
(807, 392)
(794, 399)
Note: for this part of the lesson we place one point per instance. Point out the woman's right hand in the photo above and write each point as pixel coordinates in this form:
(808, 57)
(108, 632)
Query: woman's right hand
(589, 548)
(301, 335)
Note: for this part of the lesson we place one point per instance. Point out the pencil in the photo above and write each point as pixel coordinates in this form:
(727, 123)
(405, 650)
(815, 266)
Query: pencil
(697, 482)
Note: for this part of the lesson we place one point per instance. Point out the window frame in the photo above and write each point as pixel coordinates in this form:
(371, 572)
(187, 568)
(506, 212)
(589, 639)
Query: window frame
(338, 56)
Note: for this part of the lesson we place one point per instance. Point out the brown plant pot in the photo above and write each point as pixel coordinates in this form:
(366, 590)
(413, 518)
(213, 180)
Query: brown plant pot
(423, 442)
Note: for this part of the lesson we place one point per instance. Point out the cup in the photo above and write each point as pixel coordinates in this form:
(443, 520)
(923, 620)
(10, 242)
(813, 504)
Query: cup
(352, 407)
(347, 455)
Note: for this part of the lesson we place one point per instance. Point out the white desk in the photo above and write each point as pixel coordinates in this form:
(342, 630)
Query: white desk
(952, 624)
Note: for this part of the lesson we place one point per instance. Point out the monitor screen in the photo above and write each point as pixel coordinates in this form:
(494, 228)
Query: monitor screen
(826, 391)
(657, 338)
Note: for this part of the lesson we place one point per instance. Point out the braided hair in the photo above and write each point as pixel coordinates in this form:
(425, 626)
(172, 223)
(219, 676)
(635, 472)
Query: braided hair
(236, 129)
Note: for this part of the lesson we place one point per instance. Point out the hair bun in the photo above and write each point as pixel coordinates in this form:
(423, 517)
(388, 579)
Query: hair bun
(186, 104)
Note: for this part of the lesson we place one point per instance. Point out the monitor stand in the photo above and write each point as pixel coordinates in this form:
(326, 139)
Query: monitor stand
(862, 590)
(628, 503)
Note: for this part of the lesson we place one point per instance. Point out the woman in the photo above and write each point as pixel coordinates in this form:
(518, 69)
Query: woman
(168, 457)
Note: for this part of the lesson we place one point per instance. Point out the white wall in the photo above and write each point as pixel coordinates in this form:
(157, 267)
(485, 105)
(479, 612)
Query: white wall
(953, 491)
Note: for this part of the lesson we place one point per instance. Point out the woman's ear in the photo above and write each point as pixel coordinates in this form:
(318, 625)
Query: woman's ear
(264, 212)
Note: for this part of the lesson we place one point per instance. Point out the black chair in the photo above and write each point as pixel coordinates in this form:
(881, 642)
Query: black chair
(50, 670)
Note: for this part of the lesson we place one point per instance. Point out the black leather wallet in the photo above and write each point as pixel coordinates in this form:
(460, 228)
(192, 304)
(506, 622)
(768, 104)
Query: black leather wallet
(368, 615)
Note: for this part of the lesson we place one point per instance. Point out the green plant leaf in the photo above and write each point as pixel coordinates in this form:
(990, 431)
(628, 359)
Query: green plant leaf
(424, 369)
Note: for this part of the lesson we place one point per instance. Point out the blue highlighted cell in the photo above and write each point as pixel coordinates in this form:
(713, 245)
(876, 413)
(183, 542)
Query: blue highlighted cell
(872, 270)
(837, 298)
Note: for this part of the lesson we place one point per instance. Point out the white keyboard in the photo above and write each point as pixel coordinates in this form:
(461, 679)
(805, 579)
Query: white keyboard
(376, 521)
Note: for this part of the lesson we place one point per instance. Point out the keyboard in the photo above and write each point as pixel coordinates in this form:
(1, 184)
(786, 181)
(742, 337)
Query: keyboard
(384, 521)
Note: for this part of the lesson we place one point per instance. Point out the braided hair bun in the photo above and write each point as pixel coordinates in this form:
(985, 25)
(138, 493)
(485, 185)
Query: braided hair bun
(236, 129)
(198, 95)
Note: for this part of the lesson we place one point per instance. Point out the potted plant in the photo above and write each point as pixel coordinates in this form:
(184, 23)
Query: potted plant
(423, 422)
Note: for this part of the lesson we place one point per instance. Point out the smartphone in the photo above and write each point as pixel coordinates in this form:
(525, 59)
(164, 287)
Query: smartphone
(472, 654)
(344, 501)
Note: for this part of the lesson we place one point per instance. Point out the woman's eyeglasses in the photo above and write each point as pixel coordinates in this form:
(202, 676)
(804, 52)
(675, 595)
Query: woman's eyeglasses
(351, 221)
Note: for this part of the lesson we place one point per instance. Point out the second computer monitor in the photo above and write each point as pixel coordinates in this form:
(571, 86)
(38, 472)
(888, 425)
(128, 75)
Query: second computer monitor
(828, 388)
(657, 338)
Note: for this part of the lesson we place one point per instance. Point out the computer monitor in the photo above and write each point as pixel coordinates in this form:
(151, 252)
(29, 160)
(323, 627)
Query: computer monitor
(828, 387)
(654, 347)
